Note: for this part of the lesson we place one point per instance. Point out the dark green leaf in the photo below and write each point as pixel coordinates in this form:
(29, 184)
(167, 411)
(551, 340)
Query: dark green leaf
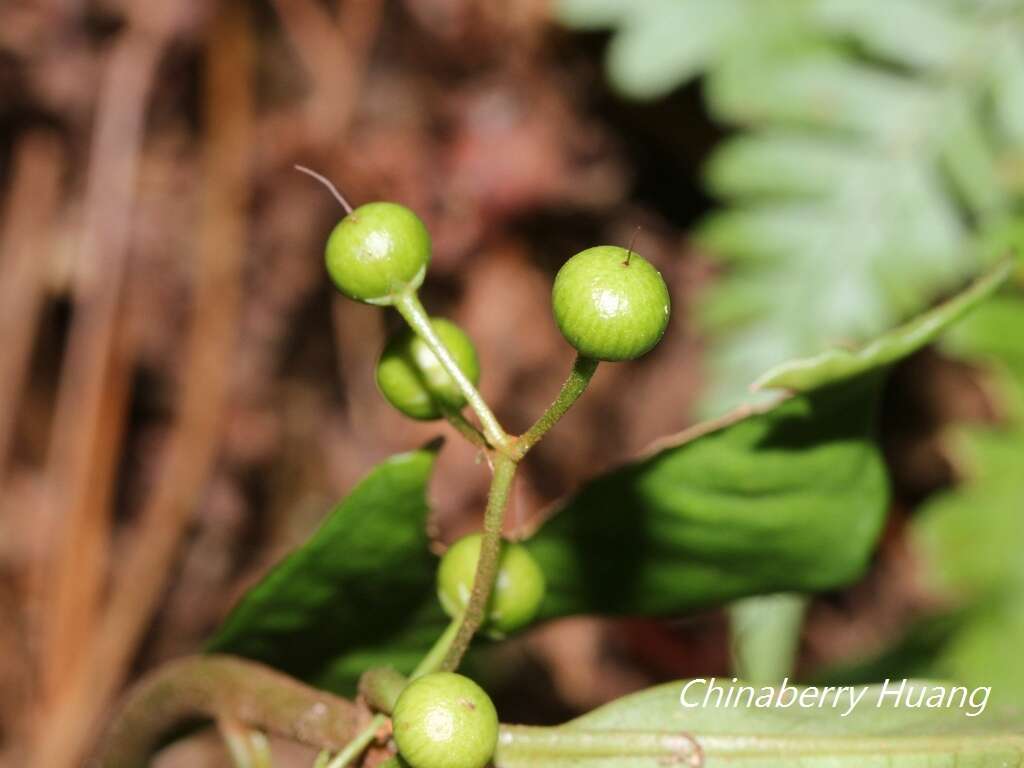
(790, 498)
(358, 587)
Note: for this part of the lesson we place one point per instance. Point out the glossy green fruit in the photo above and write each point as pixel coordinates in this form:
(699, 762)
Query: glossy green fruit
(413, 380)
(445, 720)
(378, 251)
(518, 588)
(610, 303)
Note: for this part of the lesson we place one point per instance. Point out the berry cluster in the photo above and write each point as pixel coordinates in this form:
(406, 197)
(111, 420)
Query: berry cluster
(610, 304)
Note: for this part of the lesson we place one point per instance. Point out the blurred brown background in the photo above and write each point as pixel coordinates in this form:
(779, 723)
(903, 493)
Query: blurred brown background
(183, 396)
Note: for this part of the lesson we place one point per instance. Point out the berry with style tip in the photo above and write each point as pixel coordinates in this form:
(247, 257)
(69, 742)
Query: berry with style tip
(445, 720)
(518, 587)
(610, 303)
(412, 379)
(378, 251)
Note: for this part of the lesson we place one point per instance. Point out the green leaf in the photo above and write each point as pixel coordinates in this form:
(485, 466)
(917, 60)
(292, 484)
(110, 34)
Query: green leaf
(652, 729)
(968, 539)
(355, 591)
(786, 498)
(807, 374)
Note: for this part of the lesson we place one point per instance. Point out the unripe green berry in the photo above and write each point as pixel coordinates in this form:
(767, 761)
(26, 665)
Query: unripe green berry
(518, 588)
(445, 720)
(412, 379)
(610, 303)
(378, 251)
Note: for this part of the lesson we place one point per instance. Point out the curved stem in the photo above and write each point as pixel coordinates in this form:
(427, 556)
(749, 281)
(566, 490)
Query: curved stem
(223, 687)
(410, 308)
(583, 369)
(487, 565)
(362, 740)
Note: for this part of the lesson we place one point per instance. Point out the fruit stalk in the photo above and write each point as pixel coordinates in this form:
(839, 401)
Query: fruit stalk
(410, 308)
(435, 657)
(464, 428)
(487, 566)
(583, 369)
(357, 746)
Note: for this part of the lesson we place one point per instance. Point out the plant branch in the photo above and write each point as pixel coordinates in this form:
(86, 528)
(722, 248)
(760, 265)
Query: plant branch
(223, 687)
(410, 308)
(358, 745)
(765, 633)
(435, 657)
(487, 565)
(465, 428)
(583, 369)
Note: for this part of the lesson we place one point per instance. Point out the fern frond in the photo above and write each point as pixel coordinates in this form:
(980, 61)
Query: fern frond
(882, 144)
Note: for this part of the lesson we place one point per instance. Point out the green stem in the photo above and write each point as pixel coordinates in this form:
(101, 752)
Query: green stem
(381, 687)
(435, 657)
(260, 748)
(236, 738)
(410, 308)
(536, 745)
(487, 565)
(765, 633)
(582, 371)
(356, 747)
(464, 428)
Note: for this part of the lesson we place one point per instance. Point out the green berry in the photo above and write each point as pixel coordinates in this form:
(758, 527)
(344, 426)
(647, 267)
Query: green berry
(413, 380)
(445, 720)
(610, 303)
(518, 588)
(378, 251)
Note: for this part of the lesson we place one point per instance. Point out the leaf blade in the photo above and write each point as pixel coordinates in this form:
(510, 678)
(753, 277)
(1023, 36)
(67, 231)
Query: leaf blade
(360, 579)
(808, 373)
(652, 728)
